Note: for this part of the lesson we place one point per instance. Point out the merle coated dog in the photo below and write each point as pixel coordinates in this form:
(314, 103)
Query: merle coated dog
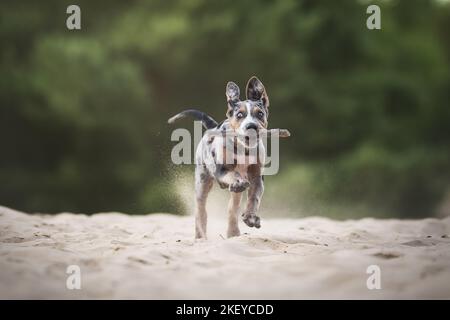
(217, 156)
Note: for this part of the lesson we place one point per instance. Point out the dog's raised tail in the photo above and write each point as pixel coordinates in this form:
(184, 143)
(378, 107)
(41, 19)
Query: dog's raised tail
(206, 120)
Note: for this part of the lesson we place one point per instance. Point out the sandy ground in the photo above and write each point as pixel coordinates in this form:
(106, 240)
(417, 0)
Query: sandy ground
(155, 256)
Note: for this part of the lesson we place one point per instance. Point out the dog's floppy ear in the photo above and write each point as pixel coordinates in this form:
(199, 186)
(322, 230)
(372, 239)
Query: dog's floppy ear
(256, 91)
(232, 92)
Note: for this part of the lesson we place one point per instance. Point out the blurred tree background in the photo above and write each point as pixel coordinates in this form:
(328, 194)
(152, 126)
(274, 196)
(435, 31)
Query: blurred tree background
(83, 113)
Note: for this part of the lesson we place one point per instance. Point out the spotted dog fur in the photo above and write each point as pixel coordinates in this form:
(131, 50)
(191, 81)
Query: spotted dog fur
(218, 158)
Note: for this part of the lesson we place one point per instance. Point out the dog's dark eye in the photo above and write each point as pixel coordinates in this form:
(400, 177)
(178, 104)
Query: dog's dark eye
(260, 114)
(240, 115)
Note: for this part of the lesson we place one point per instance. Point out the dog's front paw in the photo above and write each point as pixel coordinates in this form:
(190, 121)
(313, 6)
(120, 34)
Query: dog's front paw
(239, 186)
(251, 219)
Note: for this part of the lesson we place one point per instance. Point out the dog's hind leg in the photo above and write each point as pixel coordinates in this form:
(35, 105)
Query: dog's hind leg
(233, 209)
(203, 184)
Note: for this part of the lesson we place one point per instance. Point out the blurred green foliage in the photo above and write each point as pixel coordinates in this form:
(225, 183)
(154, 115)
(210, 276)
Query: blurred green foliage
(83, 113)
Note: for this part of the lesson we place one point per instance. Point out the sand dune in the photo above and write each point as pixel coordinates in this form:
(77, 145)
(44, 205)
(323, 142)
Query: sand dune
(155, 256)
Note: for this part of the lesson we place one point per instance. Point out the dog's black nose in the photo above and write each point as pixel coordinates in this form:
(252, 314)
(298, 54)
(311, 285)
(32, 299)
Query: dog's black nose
(251, 126)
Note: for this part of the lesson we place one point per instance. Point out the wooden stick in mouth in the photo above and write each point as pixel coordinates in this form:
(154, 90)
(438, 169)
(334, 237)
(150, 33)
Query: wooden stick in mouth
(282, 133)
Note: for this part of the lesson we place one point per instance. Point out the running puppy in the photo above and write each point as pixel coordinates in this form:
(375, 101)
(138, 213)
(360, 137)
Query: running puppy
(235, 160)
